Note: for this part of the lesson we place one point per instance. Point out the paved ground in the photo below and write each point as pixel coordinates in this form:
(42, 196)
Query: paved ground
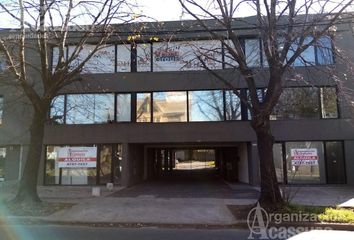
(197, 199)
(323, 195)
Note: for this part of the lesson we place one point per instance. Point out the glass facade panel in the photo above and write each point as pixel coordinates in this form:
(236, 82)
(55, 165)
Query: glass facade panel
(170, 106)
(143, 107)
(143, 57)
(1, 109)
(102, 61)
(2, 63)
(105, 168)
(335, 163)
(90, 108)
(297, 103)
(307, 57)
(2, 164)
(124, 107)
(324, 51)
(52, 173)
(232, 106)
(252, 52)
(305, 162)
(329, 102)
(206, 106)
(278, 161)
(57, 109)
(123, 58)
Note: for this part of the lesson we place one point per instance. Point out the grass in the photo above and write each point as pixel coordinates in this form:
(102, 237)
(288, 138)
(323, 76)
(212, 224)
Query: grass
(324, 214)
(317, 214)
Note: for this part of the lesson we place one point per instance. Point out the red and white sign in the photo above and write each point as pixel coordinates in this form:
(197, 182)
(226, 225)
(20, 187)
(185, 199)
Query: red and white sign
(304, 157)
(77, 157)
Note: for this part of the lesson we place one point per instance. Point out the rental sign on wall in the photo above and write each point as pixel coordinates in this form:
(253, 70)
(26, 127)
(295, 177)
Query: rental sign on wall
(77, 157)
(304, 157)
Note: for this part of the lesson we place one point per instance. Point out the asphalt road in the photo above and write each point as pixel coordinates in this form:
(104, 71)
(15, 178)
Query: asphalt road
(61, 232)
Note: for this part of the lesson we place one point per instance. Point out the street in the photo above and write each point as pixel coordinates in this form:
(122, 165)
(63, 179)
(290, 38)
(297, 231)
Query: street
(61, 232)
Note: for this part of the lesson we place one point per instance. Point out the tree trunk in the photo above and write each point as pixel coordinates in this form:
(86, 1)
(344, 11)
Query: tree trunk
(27, 191)
(270, 192)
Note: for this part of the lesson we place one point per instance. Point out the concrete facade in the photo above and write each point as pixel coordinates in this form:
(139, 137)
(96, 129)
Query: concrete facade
(138, 138)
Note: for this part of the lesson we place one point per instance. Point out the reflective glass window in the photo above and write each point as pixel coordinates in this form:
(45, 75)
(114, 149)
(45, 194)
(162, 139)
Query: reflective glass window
(57, 109)
(206, 105)
(329, 102)
(232, 106)
(124, 107)
(170, 106)
(90, 108)
(297, 103)
(143, 107)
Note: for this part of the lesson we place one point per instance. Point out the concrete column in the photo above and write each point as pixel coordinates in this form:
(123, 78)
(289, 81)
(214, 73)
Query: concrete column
(349, 163)
(126, 166)
(253, 163)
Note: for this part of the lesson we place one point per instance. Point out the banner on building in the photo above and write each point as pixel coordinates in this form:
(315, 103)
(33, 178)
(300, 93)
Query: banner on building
(304, 157)
(77, 157)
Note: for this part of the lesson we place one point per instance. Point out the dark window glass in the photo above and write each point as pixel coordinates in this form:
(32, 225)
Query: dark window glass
(90, 108)
(2, 164)
(335, 163)
(2, 63)
(260, 94)
(329, 102)
(278, 161)
(143, 107)
(170, 106)
(57, 109)
(297, 103)
(1, 108)
(124, 107)
(232, 106)
(324, 51)
(206, 106)
(305, 162)
(117, 172)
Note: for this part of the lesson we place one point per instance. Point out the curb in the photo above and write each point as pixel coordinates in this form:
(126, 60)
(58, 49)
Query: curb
(239, 224)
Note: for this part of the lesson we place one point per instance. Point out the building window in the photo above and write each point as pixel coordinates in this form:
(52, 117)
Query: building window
(1, 109)
(123, 58)
(324, 51)
(319, 53)
(329, 105)
(90, 108)
(143, 57)
(278, 161)
(2, 63)
(170, 106)
(2, 164)
(143, 107)
(305, 162)
(123, 107)
(297, 103)
(102, 61)
(57, 110)
(253, 52)
(206, 106)
(232, 106)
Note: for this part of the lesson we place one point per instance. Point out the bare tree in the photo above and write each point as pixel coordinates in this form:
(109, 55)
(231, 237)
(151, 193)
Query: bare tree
(286, 30)
(44, 25)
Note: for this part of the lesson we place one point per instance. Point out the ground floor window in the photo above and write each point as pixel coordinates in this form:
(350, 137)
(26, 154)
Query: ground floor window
(310, 162)
(2, 164)
(83, 165)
